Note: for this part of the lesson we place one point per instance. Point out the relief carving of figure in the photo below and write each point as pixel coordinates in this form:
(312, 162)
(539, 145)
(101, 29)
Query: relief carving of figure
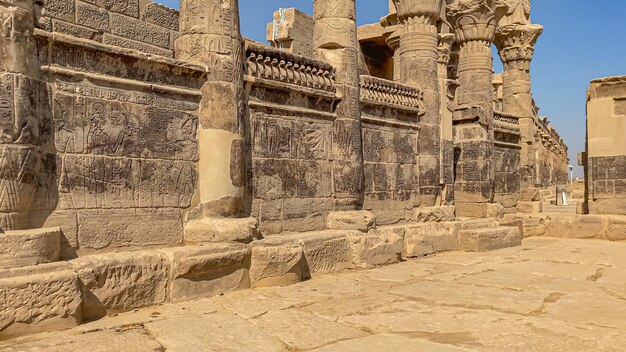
(518, 13)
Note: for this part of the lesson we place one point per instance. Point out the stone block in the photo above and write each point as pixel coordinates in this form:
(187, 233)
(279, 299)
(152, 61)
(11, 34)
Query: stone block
(575, 226)
(141, 31)
(488, 239)
(221, 230)
(276, 262)
(100, 341)
(350, 220)
(139, 46)
(429, 238)
(434, 214)
(207, 270)
(121, 281)
(63, 9)
(29, 247)
(324, 251)
(38, 302)
(100, 229)
(477, 224)
(375, 248)
(530, 207)
(495, 210)
(616, 229)
(76, 31)
(127, 7)
(161, 16)
(471, 210)
(92, 16)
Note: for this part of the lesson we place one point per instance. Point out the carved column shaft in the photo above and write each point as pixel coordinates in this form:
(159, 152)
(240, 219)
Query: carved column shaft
(20, 130)
(474, 23)
(210, 36)
(418, 66)
(335, 42)
(515, 42)
(447, 146)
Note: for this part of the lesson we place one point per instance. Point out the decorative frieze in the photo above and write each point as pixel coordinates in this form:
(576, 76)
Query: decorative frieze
(273, 64)
(387, 92)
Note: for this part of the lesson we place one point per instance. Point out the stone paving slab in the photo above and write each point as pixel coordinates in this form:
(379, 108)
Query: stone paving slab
(548, 295)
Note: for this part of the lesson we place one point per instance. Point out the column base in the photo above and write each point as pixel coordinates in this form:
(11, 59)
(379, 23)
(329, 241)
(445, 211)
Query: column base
(242, 230)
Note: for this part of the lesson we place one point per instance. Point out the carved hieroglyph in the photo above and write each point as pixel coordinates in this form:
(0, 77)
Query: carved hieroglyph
(418, 66)
(21, 123)
(335, 42)
(210, 36)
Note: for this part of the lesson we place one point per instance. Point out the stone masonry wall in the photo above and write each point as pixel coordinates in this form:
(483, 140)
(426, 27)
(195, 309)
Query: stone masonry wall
(133, 24)
(290, 116)
(120, 167)
(605, 167)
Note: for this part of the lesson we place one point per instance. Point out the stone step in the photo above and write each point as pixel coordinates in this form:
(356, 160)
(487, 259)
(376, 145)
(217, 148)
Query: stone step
(29, 247)
(489, 239)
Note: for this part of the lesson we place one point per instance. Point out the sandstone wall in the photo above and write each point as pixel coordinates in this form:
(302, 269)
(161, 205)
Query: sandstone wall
(290, 116)
(605, 166)
(134, 24)
(119, 165)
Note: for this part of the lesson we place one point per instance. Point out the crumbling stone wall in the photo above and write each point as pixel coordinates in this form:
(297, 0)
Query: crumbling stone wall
(133, 24)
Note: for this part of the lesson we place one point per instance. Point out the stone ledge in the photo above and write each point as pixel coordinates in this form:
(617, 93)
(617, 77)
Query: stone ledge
(379, 247)
(29, 247)
(36, 301)
(207, 270)
(121, 281)
(324, 251)
(276, 263)
(221, 230)
(361, 220)
(488, 239)
(422, 240)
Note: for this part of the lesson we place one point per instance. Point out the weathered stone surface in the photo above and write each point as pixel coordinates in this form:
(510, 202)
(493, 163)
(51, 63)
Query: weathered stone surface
(121, 281)
(29, 247)
(482, 240)
(227, 332)
(208, 270)
(434, 214)
(350, 220)
(310, 331)
(92, 16)
(495, 210)
(324, 251)
(387, 342)
(39, 302)
(427, 239)
(375, 248)
(276, 263)
(102, 341)
(221, 230)
(530, 207)
(161, 15)
(575, 226)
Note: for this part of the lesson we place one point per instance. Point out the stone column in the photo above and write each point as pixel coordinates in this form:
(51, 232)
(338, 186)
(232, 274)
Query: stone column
(474, 23)
(210, 36)
(447, 146)
(335, 42)
(418, 66)
(515, 43)
(393, 30)
(20, 130)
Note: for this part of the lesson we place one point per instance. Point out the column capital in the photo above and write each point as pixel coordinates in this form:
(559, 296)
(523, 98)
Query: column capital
(445, 47)
(419, 11)
(516, 42)
(476, 20)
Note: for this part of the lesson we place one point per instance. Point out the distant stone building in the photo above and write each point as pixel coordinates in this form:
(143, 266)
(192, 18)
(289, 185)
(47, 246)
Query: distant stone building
(605, 156)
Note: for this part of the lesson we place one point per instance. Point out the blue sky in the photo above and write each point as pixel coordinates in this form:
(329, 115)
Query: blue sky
(582, 40)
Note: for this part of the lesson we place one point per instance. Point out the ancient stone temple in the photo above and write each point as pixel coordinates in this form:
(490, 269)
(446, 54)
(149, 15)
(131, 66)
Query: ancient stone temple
(152, 156)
